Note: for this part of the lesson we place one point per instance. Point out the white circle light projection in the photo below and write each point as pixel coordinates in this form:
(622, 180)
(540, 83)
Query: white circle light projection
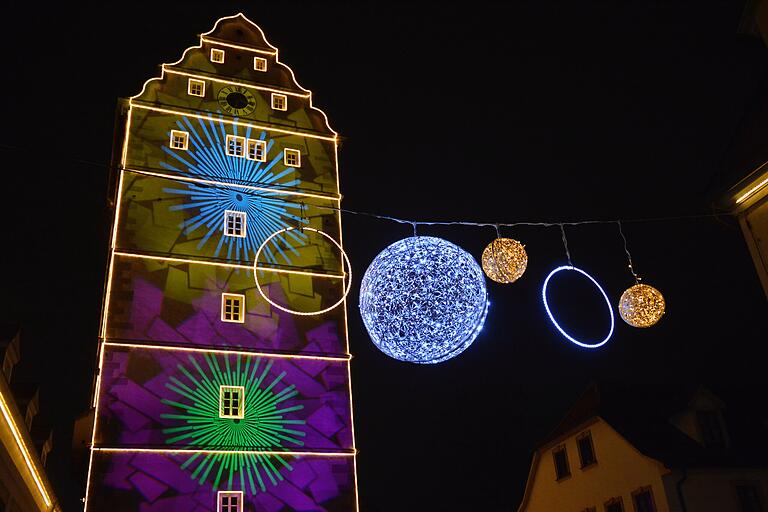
(423, 300)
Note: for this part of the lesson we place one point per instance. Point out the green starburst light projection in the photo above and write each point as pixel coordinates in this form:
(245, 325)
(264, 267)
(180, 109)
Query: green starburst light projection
(264, 425)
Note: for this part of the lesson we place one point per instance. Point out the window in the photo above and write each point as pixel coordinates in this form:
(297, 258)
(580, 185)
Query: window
(217, 56)
(279, 102)
(195, 87)
(235, 145)
(711, 428)
(292, 158)
(231, 400)
(749, 498)
(257, 150)
(586, 449)
(232, 307)
(230, 501)
(614, 505)
(259, 64)
(643, 500)
(235, 223)
(179, 140)
(561, 463)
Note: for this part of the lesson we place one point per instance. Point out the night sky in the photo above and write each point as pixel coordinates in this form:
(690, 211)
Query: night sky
(471, 112)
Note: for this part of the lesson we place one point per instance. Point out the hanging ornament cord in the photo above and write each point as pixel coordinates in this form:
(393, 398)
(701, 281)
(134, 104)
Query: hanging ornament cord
(629, 256)
(565, 244)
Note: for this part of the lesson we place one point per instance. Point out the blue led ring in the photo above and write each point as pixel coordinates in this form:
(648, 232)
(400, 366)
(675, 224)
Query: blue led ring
(552, 317)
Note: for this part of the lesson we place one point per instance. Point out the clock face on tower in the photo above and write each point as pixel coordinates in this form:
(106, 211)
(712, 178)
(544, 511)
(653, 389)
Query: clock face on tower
(236, 100)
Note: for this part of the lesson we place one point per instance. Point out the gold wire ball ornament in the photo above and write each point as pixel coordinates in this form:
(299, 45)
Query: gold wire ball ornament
(504, 260)
(641, 305)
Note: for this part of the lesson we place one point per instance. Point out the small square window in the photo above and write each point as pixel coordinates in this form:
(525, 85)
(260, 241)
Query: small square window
(217, 56)
(235, 146)
(561, 463)
(230, 501)
(196, 87)
(235, 223)
(643, 500)
(232, 308)
(586, 449)
(279, 101)
(614, 505)
(259, 64)
(179, 140)
(292, 158)
(232, 402)
(257, 150)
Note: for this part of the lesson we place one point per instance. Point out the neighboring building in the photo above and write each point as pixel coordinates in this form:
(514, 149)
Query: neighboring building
(25, 443)
(618, 451)
(221, 387)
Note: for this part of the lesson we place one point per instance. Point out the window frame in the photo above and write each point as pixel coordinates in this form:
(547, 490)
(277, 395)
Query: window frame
(613, 501)
(240, 318)
(642, 490)
(296, 152)
(256, 142)
(586, 435)
(236, 139)
(754, 484)
(218, 51)
(244, 221)
(257, 61)
(225, 494)
(195, 81)
(555, 451)
(241, 403)
(183, 135)
(284, 99)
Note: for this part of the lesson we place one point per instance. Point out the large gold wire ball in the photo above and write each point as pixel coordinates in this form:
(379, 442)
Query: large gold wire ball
(641, 305)
(504, 260)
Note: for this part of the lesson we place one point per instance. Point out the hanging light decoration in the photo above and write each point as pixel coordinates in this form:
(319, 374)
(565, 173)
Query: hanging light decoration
(640, 305)
(504, 260)
(423, 300)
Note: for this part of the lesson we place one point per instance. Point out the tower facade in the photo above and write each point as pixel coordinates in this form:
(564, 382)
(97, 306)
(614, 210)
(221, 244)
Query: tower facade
(223, 368)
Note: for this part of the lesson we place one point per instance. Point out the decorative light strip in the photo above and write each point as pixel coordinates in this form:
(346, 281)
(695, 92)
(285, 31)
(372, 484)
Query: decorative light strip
(239, 452)
(229, 265)
(236, 123)
(749, 193)
(7, 415)
(238, 47)
(552, 317)
(222, 184)
(303, 313)
(235, 82)
(347, 357)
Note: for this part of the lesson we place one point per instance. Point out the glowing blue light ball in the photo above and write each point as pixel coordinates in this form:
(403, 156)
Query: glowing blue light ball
(423, 300)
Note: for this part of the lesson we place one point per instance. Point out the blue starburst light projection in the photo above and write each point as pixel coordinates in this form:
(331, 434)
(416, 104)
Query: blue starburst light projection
(552, 316)
(423, 300)
(268, 210)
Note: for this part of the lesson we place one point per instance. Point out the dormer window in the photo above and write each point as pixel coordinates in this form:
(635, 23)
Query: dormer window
(259, 63)
(196, 87)
(217, 56)
(279, 101)
(179, 140)
(292, 158)
(711, 428)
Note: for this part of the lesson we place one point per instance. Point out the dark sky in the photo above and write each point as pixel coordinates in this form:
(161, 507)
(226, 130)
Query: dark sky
(473, 112)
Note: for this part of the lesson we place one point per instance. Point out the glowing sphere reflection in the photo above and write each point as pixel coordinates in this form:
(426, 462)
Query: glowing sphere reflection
(641, 305)
(423, 300)
(552, 316)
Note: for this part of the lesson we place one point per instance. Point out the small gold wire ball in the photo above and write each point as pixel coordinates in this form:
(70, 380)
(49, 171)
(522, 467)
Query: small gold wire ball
(641, 305)
(504, 260)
